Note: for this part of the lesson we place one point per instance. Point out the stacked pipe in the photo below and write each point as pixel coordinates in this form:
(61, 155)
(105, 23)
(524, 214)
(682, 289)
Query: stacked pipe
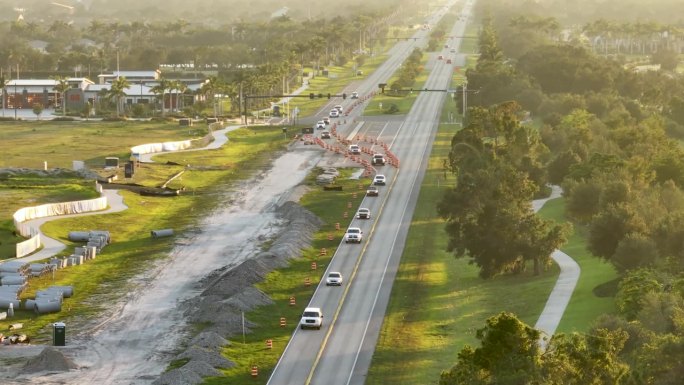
(13, 277)
(49, 300)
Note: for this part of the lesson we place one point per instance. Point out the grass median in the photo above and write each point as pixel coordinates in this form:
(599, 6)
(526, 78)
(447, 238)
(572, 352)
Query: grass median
(381, 103)
(104, 279)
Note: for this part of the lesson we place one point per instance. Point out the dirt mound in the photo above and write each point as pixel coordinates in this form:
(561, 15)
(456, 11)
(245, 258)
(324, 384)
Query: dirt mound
(210, 357)
(49, 360)
(202, 369)
(178, 377)
(209, 340)
(229, 291)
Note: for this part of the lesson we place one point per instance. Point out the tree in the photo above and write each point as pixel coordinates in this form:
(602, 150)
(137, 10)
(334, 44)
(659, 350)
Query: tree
(3, 84)
(37, 109)
(118, 91)
(62, 86)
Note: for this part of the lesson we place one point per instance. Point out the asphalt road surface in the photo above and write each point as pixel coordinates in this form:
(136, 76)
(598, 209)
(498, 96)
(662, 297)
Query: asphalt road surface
(341, 352)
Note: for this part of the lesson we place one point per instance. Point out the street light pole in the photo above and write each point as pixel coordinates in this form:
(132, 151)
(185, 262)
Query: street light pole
(465, 99)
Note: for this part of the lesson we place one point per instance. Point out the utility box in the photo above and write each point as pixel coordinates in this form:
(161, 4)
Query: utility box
(59, 334)
(112, 161)
(129, 170)
(276, 111)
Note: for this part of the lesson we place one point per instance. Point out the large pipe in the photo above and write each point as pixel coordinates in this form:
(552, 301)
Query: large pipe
(79, 236)
(43, 307)
(161, 233)
(13, 280)
(5, 303)
(67, 291)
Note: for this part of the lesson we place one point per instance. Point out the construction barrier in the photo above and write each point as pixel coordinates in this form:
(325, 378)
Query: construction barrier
(345, 215)
(269, 344)
(330, 237)
(323, 251)
(337, 225)
(353, 195)
(292, 301)
(255, 371)
(282, 322)
(307, 281)
(349, 205)
(313, 266)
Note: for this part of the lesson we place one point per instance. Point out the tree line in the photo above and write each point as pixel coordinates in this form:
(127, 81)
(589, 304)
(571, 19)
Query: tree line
(610, 137)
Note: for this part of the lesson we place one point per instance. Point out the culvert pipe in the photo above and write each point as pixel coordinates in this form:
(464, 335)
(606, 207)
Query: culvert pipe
(5, 303)
(79, 236)
(161, 233)
(44, 307)
(13, 280)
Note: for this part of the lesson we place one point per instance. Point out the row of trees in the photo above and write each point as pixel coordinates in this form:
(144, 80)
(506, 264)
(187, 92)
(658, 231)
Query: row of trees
(604, 138)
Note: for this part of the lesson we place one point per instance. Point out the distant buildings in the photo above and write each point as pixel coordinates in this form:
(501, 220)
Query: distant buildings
(25, 93)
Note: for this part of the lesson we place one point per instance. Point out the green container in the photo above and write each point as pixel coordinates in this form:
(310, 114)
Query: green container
(59, 334)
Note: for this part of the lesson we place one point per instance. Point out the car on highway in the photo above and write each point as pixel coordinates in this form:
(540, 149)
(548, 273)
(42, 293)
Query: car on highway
(363, 213)
(453, 50)
(372, 191)
(354, 95)
(448, 61)
(446, 45)
(354, 149)
(334, 278)
(334, 114)
(311, 318)
(379, 180)
(339, 108)
(353, 235)
(378, 160)
(320, 125)
(440, 57)
(326, 120)
(325, 135)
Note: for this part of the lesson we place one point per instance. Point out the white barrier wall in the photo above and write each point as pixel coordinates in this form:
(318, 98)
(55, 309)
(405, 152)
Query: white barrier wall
(28, 246)
(48, 210)
(151, 148)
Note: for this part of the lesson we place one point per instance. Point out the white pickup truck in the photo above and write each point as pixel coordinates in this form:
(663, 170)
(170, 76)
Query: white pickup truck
(353, 235)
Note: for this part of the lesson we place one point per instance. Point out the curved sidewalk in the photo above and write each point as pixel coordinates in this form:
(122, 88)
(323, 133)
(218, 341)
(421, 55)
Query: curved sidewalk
(52, 246)
(565, 285)
(220, 138)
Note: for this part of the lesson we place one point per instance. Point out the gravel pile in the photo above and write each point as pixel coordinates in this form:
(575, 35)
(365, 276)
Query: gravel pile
(229, 291)
(49, 360)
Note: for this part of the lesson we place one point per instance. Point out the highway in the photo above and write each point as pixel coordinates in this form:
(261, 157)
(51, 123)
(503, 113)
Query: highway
(340, 353)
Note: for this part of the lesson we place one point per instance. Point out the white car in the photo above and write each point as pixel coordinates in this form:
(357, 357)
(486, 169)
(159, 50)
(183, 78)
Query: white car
(311, 318)
(334, 278)
(379, 180)
(353, 235)
(378, 160)
(339, 108)
(326, 120)
(320, 125)
(354, 95)
(363, 213)
(354, 149)
(334, 114)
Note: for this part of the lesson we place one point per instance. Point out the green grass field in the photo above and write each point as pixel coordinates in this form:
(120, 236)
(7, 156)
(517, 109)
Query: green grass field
(585, 305)
(132, 250)
(29, 144)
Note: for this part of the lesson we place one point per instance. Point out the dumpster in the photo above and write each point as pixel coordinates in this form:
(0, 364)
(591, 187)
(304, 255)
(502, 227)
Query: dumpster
(59, 334)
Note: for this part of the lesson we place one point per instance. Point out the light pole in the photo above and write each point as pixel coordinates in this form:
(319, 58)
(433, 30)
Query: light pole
(465, 99)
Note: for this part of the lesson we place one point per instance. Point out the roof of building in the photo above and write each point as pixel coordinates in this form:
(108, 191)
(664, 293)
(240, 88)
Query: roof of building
(31, 83)
(131, 74)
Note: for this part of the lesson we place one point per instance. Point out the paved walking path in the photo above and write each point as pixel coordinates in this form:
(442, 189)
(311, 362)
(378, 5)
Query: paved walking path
(565, 285)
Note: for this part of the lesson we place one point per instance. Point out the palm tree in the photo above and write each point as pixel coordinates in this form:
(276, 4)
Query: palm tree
(3, 83)
(181, 88)
(118, 91)
(62, 86)
(160, 89)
